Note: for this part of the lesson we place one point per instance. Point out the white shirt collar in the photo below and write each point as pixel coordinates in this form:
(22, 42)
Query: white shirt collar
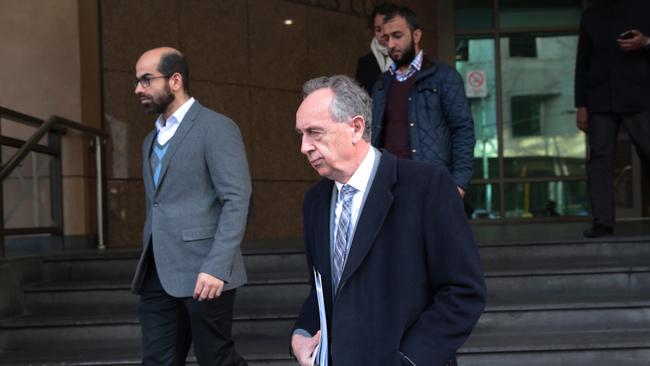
(176, 117)
(361, 176)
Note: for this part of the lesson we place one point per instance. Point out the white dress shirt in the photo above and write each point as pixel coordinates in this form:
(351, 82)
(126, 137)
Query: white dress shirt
(359, 181)
(167, 129)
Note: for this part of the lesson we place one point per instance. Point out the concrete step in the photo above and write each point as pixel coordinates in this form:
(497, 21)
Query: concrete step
(269, 298)
(120, 265)
(561, 282)
(91, 265)
(575, 348)
(593, 317)
(516, 252)
(257, 351)
(32, 331)
(551, 303)
(254, 298)
(542, 283)
(586, 313)
(607, 357)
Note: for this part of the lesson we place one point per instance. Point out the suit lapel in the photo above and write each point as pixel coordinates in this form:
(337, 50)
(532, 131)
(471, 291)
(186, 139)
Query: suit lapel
(177, 139)
(375, 209)
(322, 232)
(148, 174)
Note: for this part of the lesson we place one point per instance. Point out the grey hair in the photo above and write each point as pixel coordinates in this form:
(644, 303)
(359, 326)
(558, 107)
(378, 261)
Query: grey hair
(350, 100)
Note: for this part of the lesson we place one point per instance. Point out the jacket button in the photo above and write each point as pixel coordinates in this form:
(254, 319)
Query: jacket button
(155, 204)
(412, 124)
(414, 151)
(410, 99)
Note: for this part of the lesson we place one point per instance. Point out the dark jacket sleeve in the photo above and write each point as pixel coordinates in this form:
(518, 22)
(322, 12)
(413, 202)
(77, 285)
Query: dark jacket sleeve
(455, 276)
(308, 318)
(582, 66)
(461, 127)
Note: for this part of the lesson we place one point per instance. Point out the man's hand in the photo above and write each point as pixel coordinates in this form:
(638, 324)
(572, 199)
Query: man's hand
(637, 42)
(303, 348)
(207, 287)
(461, 191)
(582, 119)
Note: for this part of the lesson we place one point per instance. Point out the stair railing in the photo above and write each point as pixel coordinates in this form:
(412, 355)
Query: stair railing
(53, 125)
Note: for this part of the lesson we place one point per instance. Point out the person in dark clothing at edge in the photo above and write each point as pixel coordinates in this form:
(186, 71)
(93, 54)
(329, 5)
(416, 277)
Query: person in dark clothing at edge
(420, 110)
(377, 61)
(612, 87)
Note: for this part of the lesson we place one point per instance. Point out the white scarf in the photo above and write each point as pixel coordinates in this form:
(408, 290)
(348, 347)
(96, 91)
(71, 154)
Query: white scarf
(381, 54)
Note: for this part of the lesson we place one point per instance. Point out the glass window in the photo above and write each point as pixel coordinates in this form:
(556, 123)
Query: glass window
(475, 61)
(528, 129)
(546, 199)
(474, 14)
(482, 201)
(539, 13)
(539, 133)
(26, 192)
(523, 45)
(525, 111)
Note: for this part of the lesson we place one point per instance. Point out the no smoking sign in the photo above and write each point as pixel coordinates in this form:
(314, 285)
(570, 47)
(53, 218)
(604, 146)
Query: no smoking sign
(476, 84)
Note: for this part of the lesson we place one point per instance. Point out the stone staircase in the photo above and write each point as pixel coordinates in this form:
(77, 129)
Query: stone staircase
(550, 303)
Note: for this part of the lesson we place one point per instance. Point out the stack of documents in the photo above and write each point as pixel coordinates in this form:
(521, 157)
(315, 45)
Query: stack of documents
(320, 353)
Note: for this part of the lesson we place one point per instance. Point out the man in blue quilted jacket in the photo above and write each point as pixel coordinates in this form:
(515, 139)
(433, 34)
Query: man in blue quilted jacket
(420, 110)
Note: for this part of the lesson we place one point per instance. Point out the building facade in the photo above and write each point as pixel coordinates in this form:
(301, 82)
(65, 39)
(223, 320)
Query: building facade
(248, 59)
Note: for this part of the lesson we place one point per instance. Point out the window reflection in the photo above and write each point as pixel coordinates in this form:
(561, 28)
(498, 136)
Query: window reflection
(539, 133)
(477, 55)
(546, 199)
(530, 111)
(482, 201)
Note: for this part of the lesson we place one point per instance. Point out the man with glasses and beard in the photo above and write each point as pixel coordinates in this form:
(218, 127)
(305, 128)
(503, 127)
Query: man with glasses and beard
(420, 110)
(198, 190)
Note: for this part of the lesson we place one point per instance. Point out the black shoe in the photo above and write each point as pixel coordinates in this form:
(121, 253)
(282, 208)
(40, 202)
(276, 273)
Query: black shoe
(598, 231)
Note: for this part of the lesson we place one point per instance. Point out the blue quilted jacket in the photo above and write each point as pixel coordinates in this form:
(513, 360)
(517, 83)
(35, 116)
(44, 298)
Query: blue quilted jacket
(440, 120)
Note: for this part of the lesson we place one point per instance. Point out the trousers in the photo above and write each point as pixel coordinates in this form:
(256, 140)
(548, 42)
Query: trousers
(170, 325)
(602, 134)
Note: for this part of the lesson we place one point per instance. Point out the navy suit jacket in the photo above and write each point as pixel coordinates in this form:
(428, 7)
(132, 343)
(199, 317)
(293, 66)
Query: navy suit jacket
(412, 285)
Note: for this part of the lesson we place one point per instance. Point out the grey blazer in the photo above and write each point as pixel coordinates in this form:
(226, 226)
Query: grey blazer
(196, 217)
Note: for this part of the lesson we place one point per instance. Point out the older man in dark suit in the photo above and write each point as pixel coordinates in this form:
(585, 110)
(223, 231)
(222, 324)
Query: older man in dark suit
(401, 274)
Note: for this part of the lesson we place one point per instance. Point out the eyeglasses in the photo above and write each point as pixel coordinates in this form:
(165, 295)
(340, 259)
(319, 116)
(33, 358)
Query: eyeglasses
(146, 81)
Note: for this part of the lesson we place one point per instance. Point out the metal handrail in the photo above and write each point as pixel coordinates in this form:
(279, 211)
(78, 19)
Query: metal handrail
(44, 128)
(19, 155)
(20, 117)
(38, 135)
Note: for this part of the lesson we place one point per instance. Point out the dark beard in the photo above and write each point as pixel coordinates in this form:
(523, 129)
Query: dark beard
(159, 105)
(407, 56)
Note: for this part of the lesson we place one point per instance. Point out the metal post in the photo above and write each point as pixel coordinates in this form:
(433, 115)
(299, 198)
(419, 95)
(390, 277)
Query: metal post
(56, 185)
(2, 218)
(100, 192)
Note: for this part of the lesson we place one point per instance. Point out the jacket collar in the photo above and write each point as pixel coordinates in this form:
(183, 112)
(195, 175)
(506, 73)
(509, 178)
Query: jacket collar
(429, 67)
